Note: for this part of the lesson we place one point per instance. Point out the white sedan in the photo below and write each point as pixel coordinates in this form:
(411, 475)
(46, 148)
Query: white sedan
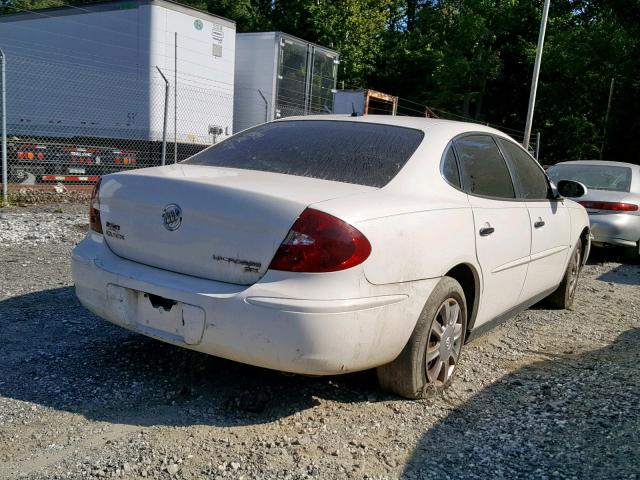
(325, 245)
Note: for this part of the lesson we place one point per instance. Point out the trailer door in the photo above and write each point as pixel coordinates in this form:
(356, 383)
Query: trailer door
(292, 84)
(323, 81)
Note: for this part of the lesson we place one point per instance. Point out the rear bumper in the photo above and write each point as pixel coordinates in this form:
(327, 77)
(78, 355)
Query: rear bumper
(259, 324)
(618, 229)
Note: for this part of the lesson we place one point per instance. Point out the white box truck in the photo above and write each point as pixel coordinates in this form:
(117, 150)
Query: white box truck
(279, 75)
(84, 92)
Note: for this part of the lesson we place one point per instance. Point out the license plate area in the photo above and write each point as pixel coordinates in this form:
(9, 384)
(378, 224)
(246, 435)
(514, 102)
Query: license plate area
(155, 315)
(77, 171)
(159, 313)
(161, 302)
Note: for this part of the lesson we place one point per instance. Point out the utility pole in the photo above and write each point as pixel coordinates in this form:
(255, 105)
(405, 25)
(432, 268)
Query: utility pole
(606, 117)
(536, 73)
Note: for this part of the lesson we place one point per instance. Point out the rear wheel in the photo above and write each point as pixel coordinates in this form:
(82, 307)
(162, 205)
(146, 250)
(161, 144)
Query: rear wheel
(564, 295)
(632, 254)
(430, 358)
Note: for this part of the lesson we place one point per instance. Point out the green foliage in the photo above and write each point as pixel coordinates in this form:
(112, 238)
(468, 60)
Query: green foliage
(30, 5)
(354, 28)
(474, 58)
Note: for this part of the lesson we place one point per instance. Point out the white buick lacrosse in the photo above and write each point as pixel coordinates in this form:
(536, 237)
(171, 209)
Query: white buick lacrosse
(330, 244)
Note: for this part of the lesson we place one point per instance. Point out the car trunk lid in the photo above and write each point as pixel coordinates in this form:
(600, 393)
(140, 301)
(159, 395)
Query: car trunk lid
(217, 223)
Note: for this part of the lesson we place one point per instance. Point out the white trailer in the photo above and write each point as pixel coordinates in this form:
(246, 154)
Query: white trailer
(90, 71)
(279, 75)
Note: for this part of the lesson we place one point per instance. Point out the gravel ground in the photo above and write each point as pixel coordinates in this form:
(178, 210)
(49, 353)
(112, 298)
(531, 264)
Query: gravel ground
(548, 394)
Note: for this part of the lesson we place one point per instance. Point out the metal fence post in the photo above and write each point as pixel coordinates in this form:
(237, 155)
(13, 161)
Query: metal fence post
(5, 163)
(175, 100)
(538, 146)
(5, 187)
(166, 112)
(266, 106)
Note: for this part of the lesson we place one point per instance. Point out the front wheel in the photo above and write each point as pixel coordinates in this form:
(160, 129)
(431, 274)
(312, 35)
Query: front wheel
(430, 358)
(564, 295)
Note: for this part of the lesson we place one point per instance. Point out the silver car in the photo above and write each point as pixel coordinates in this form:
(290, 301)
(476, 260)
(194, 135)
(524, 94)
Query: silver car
(612, 200)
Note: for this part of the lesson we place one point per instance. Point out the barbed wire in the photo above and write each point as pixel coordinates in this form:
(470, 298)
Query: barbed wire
(424, 108)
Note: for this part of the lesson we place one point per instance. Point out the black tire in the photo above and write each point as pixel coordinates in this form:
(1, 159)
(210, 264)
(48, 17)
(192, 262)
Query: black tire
(564, 295)
(632, 254)
(410, 375)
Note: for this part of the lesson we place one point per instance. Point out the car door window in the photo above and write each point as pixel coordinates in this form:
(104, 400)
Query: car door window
(484, 171)
(529, 176)
(450, 168)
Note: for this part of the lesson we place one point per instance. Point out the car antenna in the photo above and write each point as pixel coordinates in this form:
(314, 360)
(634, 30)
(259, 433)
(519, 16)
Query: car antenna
(353, 110)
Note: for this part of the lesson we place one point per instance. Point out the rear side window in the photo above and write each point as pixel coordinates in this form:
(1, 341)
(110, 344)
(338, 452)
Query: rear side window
(532, 181)
(352, 152)
(484, 171)
(450, 168)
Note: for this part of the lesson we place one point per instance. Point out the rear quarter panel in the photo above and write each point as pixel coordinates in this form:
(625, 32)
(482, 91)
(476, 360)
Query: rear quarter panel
(418, 245)
(412, 237)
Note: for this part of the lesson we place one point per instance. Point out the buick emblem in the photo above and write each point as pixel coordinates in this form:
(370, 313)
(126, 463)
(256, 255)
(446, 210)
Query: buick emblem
(172, 217)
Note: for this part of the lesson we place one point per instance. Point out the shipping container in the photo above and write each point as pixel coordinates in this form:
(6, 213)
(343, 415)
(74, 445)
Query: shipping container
(278, 75)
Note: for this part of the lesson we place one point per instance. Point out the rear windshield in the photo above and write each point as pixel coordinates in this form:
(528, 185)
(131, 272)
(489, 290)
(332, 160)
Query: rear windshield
(596, 177)
(352, 152)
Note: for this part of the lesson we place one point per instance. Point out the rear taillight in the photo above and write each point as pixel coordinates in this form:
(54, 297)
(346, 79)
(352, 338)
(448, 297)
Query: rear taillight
(95, 223)
(613, 206)
(319, 242)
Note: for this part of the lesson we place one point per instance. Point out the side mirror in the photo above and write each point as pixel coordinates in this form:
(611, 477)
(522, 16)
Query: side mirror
(571, 189)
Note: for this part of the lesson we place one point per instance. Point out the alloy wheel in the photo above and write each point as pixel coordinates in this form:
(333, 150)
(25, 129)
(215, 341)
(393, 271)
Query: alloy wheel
(574, 273)
(444, 343)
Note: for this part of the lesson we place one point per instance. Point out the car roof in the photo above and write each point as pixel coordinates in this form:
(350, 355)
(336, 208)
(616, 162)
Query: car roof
(421, 123)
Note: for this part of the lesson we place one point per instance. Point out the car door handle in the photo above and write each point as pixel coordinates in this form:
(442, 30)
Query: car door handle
(484, 231)
(539, 223)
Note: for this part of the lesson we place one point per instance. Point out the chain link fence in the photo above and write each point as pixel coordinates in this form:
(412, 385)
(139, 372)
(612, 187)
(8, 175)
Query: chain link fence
(71, 123)
(75, 113)
(96, 89)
